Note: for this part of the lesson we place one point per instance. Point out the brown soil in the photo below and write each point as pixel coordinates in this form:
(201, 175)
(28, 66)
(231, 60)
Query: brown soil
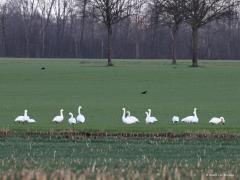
(76, 135)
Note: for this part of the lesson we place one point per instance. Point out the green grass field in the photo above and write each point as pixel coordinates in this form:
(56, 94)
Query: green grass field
(114, 159)
(103, 91)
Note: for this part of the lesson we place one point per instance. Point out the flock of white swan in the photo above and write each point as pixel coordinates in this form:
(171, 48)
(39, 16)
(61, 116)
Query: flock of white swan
(127, 118)
(25, 118)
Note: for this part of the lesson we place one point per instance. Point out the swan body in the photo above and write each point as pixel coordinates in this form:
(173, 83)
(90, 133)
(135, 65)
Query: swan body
(31, 121)
(150, 119)
(132, 118)
(80, 117)
(216, 120)
(128, 119)
(59, 119)
(22, 119)
(19, 119)
(191, 119)
(72, 120)
(175, 119)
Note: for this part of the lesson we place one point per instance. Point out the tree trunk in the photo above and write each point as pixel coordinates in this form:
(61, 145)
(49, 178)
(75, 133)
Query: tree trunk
(102, 48)
(110, 46)
(44, 28)
(194, 47)
(27, 45)
(174, 35)
(76, 52)
(43, 44)
(4, 35)
(82, 26)
(137, 46)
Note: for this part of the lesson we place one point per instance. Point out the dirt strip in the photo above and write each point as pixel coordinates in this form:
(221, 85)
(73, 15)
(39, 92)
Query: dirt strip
(94, 135)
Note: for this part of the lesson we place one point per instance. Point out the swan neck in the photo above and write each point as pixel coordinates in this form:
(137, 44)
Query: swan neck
(195, 114)
(147, 114)
(124, 113)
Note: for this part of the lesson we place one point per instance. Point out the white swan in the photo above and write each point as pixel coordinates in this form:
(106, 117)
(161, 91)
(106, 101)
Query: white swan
(129, 119)
(195, 119)
(150, 119)
(191, 119)
(72, 120)
(22, 119)
(27, 118)
(59, 119)
(80, 117)
(216, 120)
(175, 119)
(19, 119)
(132, 118)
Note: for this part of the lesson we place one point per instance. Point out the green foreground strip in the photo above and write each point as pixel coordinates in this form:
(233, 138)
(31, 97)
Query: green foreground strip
(115, 158)
(103, 91)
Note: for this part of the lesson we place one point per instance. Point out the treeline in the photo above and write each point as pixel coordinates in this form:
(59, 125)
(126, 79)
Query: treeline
(77, 29)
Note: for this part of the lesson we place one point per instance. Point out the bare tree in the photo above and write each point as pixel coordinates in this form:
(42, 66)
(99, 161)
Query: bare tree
(138, 21)
(111, 12)
(29, 9)
(3, 19)
(62, 10)
(198, 13)
(84, 7)
(53, 28)
(46, 11)
(171, 15)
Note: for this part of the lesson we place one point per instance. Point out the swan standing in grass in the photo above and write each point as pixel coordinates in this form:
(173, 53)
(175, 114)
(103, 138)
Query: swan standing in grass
(216, 120)
(132, 118)
(175, 119)
(72, 120)
(195, 119)
(80, 117)
(150, 119)
(59, 119)
(191, 119)
(129, 119)
(22, 119)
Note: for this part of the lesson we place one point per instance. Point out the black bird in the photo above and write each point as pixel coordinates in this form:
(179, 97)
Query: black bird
(43, 68)
(144, 92)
